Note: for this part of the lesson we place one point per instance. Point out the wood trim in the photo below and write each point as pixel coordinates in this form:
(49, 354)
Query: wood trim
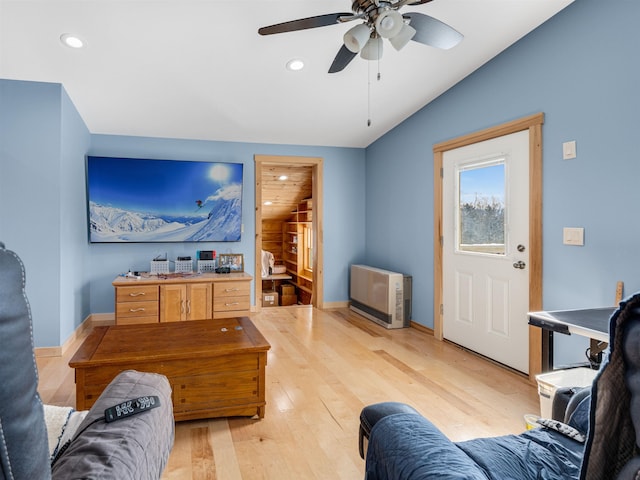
(533, 123)
(437, 245)
(334, 305)
(318, 225)
(93, 320)
(318, 235)
(421, 328)
(491, 132)
(535, 245)
(258, 246)
(42, 352)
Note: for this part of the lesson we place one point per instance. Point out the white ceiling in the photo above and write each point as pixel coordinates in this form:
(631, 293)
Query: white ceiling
(197, 69)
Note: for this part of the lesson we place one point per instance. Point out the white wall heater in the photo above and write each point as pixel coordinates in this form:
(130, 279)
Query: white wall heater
(381, 296)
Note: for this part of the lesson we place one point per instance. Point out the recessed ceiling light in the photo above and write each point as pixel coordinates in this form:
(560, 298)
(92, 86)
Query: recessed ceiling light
(71, 40)
(295, 64)
(268, 202)
(282, 177)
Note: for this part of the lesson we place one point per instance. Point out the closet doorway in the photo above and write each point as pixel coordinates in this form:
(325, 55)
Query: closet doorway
(288, 193)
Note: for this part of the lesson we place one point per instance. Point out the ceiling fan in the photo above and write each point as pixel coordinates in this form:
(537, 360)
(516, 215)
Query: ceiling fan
(382, 19)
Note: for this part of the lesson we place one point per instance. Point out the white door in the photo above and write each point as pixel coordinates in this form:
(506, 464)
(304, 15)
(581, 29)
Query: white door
(485, 248)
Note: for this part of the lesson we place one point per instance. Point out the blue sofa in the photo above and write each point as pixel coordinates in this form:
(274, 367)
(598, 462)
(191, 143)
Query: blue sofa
(598, 438)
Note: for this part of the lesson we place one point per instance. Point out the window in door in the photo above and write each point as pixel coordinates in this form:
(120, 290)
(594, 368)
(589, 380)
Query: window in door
(481, 207)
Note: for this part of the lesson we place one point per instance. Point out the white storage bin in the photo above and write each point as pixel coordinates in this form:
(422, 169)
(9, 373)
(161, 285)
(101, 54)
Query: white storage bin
(184, 266)
(205, 266)
(159, 267)
(548, 383)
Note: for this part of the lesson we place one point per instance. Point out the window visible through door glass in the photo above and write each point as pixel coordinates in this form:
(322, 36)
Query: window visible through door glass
(481, 207)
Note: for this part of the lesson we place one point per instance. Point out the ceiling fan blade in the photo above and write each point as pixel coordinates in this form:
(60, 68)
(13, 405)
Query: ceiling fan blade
(433, 32)
(343, 58)
(304, 23)
(402, 3)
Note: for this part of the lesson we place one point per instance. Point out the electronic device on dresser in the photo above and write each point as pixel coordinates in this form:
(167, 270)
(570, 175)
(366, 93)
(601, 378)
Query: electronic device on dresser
(206, 254)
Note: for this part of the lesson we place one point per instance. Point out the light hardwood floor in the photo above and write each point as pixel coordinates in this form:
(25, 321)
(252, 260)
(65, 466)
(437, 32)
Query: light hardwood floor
(323, 367)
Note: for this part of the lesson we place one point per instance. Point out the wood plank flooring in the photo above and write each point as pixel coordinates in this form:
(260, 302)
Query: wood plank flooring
(323, 368)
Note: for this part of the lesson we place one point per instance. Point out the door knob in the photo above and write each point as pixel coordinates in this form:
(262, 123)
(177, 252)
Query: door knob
(519, 264)
(520, 248)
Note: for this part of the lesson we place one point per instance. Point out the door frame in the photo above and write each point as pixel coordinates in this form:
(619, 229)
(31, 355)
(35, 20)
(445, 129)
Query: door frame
(316, 164)
(533, 123)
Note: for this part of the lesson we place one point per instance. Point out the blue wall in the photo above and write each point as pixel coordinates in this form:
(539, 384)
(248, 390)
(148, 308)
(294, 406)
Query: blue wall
(343, 207)
(42, 139)
(43, 214)
(74, 290)
(581, 70)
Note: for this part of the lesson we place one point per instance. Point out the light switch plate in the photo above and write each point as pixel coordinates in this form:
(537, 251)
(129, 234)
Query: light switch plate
(569, 150)
(573, 236)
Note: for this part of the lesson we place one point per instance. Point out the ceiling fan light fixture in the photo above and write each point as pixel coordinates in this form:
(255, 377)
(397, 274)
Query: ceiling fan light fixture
(356, 37)
(389, 23)
(401, 39)
(373, 49)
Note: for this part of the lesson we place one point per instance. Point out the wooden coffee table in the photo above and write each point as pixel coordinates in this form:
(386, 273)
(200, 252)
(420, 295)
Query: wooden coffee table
(216, 368)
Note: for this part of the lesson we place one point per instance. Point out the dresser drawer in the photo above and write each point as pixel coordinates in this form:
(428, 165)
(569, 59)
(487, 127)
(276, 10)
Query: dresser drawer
(137, 293)
(231, 289)
(228, 304)
(135, 320)
(137, 309)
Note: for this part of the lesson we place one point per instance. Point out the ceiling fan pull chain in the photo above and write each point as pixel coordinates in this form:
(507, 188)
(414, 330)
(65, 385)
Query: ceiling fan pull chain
(368, 94)
(378, 77)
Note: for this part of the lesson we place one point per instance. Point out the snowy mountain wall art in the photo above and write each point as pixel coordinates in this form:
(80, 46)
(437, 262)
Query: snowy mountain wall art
(139, 200)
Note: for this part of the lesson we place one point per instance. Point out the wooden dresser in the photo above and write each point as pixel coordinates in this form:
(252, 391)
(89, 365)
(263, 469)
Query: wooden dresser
(175, 298)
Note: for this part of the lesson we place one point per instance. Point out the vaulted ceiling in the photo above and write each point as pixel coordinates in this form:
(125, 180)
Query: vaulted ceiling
(197, 69)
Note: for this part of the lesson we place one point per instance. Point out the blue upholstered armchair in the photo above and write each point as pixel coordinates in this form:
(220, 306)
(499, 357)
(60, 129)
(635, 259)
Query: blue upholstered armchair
(133, 448)
(598, 439)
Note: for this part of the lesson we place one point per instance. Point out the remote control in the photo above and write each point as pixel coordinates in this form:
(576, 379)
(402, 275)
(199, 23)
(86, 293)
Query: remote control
(130, 407)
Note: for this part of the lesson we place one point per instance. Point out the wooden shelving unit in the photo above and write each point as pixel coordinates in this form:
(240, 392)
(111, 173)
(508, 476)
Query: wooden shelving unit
(292, 250)
(272, 239)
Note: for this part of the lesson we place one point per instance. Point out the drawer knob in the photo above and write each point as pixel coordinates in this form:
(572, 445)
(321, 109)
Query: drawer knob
(230, 289)
(137, 294)
(231, 304)
(133, 310)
